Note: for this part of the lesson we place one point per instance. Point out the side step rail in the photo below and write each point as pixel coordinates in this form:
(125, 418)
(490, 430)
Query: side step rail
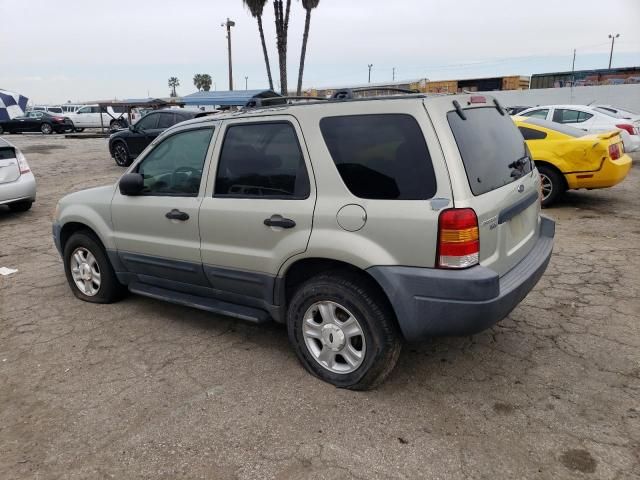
(253, 315)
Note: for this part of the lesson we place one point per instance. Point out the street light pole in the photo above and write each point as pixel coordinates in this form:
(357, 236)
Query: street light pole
(370, 65)
(246, 83)
(393, 74)
(229, 24)
(613, 40)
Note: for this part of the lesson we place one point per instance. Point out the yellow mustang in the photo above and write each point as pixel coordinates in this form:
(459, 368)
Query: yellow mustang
(568, 158)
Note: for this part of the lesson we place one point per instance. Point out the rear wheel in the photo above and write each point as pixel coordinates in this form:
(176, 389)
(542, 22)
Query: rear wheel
(20, 206)
(121, 154)
(79, 129)
(343, 331)
(553, 185)
(46, 129)
(88, 270)
(1, 130)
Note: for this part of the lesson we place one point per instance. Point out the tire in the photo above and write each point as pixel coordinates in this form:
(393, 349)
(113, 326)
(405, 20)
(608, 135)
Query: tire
(121, 154)
(78, 130)
(553, 185)
(109, 289)
(344, 296)
(1, 130)
(20, 206)
(46, 129)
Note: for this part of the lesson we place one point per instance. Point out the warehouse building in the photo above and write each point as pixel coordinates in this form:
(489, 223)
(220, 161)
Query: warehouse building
(586, 78)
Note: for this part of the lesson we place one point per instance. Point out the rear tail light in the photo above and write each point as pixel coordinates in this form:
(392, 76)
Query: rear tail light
(627, 127)
(59, 119)
(458, 239)
(22, 162)
(614, 151)
(477, 99)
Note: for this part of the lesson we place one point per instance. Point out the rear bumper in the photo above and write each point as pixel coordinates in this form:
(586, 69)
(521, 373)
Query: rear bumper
(611, 173)
(24, 188)
(431, 302)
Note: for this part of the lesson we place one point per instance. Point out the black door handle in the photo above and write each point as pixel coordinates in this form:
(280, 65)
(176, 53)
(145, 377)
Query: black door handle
(279, 221)
(176, 214)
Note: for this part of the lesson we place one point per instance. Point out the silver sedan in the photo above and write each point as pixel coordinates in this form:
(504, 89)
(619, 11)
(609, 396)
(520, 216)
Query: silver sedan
(17, 183)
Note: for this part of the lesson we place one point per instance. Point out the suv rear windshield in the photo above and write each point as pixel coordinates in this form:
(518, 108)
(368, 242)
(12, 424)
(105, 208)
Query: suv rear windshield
(492, 149)
(380, 156)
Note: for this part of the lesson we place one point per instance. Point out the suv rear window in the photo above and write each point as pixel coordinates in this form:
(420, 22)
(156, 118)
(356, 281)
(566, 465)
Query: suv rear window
(491, 147)
(380, 156)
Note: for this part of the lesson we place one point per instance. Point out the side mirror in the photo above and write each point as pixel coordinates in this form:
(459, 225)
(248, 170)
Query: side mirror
(131, 184)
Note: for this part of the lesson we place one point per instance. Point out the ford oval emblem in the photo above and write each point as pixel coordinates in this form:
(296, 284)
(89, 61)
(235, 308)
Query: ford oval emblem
(520, 188)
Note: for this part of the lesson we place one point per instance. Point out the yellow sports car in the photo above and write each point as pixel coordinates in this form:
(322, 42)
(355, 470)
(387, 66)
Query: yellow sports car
(568, 158)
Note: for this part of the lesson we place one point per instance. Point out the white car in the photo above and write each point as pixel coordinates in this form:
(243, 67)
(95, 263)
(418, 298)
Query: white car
(17, 183)
(53, 110)
(89, 117)
(590, 119)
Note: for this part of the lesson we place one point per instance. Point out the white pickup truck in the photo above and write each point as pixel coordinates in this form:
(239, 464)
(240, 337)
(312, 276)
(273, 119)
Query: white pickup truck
(89, 117)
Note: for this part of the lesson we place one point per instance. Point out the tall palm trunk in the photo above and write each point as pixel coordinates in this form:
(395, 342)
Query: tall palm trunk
(282, 26)
(303, 53)
(264, 50)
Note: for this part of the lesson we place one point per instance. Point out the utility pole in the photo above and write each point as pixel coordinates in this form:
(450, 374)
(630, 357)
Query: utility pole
(393, 74)
(573, 78)
(370, 65)
(613, 40)
(246, 83)
(229, 24)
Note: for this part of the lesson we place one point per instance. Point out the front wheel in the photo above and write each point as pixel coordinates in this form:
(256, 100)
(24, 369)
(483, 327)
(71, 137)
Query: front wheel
(46, 129)
(343, 331)
(553, 185)
(88, 270)
(78, 129)
(121, 154)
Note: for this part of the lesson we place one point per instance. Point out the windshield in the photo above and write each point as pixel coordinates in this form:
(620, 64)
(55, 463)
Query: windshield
(558, 127)
(492, 148)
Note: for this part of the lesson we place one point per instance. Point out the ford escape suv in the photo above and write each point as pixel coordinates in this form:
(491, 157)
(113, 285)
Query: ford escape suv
(359, 223)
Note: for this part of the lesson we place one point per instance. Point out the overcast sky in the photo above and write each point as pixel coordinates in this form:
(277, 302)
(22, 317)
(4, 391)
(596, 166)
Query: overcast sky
(54, 51)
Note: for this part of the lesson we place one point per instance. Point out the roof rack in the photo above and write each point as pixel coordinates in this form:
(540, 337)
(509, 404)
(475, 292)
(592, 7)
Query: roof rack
(347, 93)
(259, 102)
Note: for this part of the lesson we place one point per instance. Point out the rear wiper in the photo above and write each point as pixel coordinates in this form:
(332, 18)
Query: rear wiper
(519, 162)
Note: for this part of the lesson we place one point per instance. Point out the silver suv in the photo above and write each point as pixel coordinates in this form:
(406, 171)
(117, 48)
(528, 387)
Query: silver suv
(358, 223)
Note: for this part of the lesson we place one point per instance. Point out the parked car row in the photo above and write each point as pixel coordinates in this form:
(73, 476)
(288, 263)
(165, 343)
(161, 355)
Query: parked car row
(591, 119)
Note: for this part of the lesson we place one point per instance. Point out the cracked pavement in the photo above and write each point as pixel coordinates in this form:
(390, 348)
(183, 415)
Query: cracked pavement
(146, 389)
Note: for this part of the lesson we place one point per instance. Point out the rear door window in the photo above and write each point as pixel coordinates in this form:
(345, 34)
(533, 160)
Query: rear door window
(565, 115)
(166, 120)
(262, 160)
(531, 134)
(380, 156)
(492, 149)
(541, 113)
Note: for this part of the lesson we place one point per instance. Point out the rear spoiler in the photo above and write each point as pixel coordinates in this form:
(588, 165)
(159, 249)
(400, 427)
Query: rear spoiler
(607, 135)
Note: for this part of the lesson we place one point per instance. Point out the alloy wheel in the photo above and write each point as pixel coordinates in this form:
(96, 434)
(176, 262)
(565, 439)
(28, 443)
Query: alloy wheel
(333, 337)
(46, 128)
(120, 154)
(547, 186)
(85, 271)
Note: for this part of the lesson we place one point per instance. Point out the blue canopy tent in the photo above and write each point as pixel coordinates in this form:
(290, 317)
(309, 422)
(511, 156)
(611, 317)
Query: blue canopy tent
(238, 98)
(12, 105)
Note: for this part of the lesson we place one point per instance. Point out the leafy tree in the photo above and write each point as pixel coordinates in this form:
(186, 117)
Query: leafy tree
(206, 81)
(197, 81)
(308, 6)
(256, 7)
(173, 83)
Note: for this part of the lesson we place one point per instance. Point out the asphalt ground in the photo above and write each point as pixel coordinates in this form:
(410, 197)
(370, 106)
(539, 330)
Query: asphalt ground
(146, 389)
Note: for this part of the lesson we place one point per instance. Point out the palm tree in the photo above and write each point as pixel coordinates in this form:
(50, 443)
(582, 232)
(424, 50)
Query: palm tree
(173, 83)
(206, 81)
(256, 8)
(308, 6)
(197, 81)
(282, 28)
